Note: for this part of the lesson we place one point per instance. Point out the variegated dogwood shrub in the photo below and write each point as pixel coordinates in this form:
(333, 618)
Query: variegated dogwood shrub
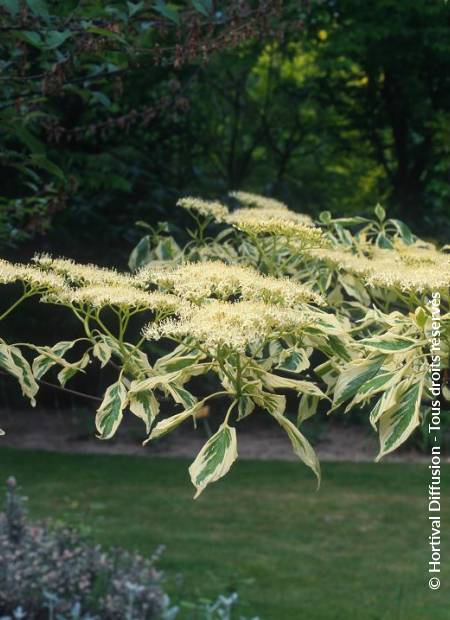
(272, 304)
(254, 333)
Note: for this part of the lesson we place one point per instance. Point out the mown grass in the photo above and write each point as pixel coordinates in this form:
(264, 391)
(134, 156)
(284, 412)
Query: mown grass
(355, 550)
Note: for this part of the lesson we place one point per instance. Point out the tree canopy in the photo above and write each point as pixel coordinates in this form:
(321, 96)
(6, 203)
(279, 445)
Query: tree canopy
(111, 111)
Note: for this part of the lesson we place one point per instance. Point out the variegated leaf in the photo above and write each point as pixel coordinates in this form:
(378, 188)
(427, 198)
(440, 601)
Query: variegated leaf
(12, 360)
(397, 424)
(274, 382)
(102, 351)
(177, 363)
(390, 343)
(273, 403)
(51, 356)
(386, 401)
(307, 407)
(169, 424)
(181, 395)
(354, 288)
(110, 413)
(144, 405)
(294, 360)
(69, 370)
(245, 407)
(300, 444)
(214, 459)
(353, 377)
(156, 381)
(380, 383)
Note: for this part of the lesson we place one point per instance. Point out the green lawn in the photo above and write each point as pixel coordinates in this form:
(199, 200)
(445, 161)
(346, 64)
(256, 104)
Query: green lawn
(355, 550)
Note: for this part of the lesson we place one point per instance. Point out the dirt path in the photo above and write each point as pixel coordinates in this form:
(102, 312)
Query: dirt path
(67, 431)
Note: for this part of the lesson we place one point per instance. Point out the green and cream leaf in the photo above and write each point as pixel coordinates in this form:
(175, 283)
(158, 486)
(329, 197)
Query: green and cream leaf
(110, 413)
(397, 424)
(144, 405)
(12, 360)
(353, 377)
(300, 444)
(214, 459)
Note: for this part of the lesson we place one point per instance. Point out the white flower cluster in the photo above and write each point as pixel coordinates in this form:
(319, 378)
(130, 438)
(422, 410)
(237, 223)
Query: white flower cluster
(81, 274)
(248, 217)
(120, 296)
(34, 277)
(407, 268)
(207, 208)
(257, 201)
(234, 325)
(197, 282)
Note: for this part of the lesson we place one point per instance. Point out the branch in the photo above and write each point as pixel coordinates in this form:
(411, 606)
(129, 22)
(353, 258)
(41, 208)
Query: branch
(61, 388)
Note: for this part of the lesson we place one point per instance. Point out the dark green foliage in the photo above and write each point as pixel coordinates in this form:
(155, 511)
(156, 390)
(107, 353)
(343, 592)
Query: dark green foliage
(326, 105)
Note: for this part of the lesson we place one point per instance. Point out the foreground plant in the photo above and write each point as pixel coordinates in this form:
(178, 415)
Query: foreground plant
(374, 274)
(322, 312)
(246, 330)
(53, 572)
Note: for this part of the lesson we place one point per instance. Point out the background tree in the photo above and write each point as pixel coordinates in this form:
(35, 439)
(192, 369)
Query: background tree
(110, 112)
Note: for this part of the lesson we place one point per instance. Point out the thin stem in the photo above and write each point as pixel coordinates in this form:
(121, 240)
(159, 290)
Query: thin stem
(61, 388)
(15, 304)
(229, 410)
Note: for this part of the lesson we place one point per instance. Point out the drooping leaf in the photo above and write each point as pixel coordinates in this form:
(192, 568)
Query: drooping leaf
(51, 356)
(300, 444)
(353, 377)
(307, 407)
(245, 407)
(144, 405)
(273, 403)
(397, 424)
(102, 351)
(110, 413)
(383, 380)
(12, 360)
(181, 395)
(354, 288)
(404, 231)
(385, 402)
(169, 424)
(69, 370)
(214, 459)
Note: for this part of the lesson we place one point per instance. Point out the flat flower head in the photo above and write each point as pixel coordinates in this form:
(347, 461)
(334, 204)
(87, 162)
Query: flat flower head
(258, 202)
(197, 282)
(257, 217)
(207, 208)
(236, 326)
(124, 297)
(36, 279)
(408, 269)
(78, 274)
(9, 272)
(294, 227)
